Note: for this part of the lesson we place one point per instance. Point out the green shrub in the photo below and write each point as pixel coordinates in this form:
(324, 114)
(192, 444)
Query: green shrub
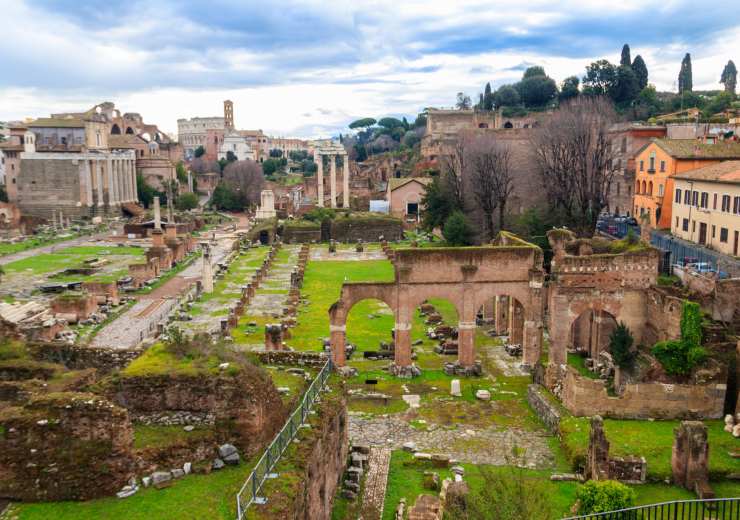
(620, 346)
(187, 201)
(678, 357)
(320, 214)
(457, 230)
(604, 495)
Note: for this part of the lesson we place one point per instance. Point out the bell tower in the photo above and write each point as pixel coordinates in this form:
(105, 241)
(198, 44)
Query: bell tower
(228, 115)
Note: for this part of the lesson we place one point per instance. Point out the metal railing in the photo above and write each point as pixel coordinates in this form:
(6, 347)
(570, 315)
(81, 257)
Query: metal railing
(708, 509)
(687, 252)
(249, 493)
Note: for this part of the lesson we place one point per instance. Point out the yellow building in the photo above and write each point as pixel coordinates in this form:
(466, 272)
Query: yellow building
(706, 206)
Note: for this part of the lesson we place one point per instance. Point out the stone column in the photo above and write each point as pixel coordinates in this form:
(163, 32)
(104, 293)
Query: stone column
(129, 187)
(516, 333)
(134, 190)
(109, 181)
(501, 307)
(690, 458)
(466, 343)
(333, 179)
(402, 341)
(99, 181)
(320, 179)
(337, 340)
(122, 192)
(345, 181)
(157, 214)
(85, 187)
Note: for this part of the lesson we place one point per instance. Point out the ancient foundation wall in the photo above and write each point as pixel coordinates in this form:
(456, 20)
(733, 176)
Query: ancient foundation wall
(76, 357)
(65, 446)
(301, 234)
(547, 411)
(366, 229)
(663, 315)
(245, 406)
(587, 397)
(292, 358)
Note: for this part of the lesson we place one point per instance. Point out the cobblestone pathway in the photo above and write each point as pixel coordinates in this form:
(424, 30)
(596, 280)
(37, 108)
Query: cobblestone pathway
(464, 443)
(270, 297)
(373, 497)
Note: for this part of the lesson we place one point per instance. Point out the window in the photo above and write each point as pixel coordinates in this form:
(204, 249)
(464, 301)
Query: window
(685, 224)
(629, 190)
(723, 235)
(695, 198)
(642, 166)
(617, 189)
(660, 190)
(651, 169)
(687, 197)
(736, 205)
(714, 204)
(704, 199)
(714, 230)
(676, 222)
(678, 196)
(662, 166)
(693, 226)
(726, 203)
(650, 188)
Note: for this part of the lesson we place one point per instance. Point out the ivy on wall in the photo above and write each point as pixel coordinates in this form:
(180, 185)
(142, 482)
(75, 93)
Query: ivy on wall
(678, 357)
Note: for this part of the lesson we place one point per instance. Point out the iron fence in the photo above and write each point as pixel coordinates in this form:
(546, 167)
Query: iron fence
(683, 252)
(249, 493)
(708, 509)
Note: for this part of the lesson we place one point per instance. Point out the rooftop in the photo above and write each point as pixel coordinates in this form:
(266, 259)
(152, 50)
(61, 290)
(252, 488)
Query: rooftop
(125, 141)
(397, 183)
(726, 171)
(692, 149)
(56, 122)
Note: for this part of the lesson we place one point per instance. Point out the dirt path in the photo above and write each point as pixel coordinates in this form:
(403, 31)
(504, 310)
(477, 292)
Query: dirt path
(373, 498)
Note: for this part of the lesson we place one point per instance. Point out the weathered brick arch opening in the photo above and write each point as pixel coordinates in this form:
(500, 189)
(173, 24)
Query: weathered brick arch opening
(468, 278)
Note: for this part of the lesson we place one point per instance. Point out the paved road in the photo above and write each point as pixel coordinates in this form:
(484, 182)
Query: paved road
(140, 321)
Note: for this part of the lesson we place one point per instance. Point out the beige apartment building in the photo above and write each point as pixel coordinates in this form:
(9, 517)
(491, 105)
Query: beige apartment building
(706, 207)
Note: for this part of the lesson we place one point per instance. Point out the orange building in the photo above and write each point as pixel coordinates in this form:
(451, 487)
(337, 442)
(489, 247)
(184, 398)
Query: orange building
(658, 161)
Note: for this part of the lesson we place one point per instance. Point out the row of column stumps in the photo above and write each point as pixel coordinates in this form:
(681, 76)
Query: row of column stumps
(276, 333)
(248, 291)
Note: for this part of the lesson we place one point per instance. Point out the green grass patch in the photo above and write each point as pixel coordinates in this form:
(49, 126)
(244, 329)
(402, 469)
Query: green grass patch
(154, 436)
(71, 257)
(158, 361)
(579, 363)
(650, 439)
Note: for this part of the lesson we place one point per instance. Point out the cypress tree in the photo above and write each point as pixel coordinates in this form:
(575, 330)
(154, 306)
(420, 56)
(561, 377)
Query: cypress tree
(488, 98)
(729, 77)
(625, 60)
(640, 70)
(685, 80)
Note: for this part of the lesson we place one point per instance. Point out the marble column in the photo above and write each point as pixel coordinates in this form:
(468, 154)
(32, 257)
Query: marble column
(86, 184)
(99, 181)
(134, 190)
(333, 179)
(126, 180)
(120, 182)
(320, 179)
(345, 181)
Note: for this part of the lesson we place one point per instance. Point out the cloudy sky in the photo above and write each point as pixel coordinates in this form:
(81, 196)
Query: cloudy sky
(307, 68)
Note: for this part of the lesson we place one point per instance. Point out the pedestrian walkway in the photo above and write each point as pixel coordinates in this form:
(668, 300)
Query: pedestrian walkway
(376, 481)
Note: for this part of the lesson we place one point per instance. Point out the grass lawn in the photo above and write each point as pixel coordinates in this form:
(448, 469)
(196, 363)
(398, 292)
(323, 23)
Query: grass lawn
(71, 257)
(652, 440)
(195, 497)
(322, 284)
(406, 479)
(157, 360)
(156, 436)
(579, 363)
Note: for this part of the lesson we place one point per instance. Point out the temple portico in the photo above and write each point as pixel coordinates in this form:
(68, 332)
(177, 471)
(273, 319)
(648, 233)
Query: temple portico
(332, 151)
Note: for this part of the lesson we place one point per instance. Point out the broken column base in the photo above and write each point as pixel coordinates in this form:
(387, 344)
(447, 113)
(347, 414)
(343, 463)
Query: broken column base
(407, 371)
(456, 369)
(346, 371)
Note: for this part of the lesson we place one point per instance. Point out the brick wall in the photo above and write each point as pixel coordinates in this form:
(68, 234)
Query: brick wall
(586, 397)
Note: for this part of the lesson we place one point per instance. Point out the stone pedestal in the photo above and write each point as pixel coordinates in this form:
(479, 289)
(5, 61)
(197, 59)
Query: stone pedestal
(337, 339)
(466, 343)
(402, 340)
(690, 458)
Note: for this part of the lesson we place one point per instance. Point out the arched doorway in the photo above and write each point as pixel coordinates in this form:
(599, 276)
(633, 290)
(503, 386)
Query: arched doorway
(590, 332)
(370, 325)
(115, 129)
(130, 130)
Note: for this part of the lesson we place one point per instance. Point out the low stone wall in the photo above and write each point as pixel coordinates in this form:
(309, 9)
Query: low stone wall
(65, 446)
(176, 454)
(587, 397)
(301, 234)
(288, 357)
(317, 465)
(368, 229)
(78, 357)
(104, 292)
(545, 410)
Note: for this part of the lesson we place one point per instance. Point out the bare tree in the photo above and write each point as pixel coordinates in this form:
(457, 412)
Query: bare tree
(246, 178)
(573, 152)
(201, 165)
(454, 165)
(490, 180)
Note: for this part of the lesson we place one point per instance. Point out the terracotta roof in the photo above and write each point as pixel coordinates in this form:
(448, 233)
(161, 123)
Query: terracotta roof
(692, 149)
(394, 183)
(56, 122)
(726, 171)
(124, 141)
